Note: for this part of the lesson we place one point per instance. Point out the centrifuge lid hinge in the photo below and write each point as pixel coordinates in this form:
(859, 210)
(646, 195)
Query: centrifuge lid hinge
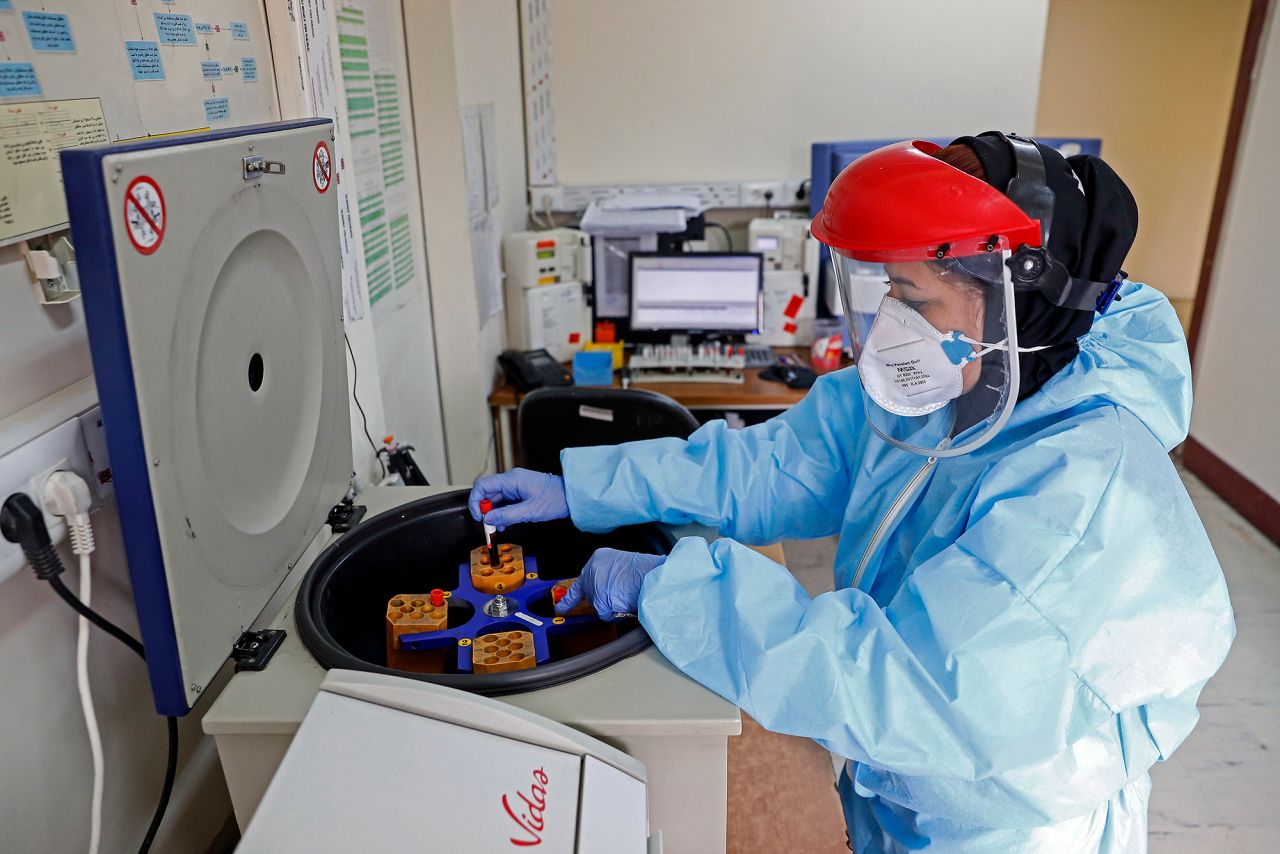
(254, 649)
(344, 515)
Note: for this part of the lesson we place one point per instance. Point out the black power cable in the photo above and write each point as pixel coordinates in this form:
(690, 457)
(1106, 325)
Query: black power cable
(170, 771)
(355, 380)
(21, 522)
(94, 617)
(728, 238)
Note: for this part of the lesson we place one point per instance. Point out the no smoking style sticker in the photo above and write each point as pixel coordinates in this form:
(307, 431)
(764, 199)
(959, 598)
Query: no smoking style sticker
(144, 214)
(321, 167)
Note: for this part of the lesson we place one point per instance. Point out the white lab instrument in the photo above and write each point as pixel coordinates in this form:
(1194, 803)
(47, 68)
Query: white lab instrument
(227, 413)
(547, 274)
(677, 363)
(435, 769)
(619, 226)
(790, 280)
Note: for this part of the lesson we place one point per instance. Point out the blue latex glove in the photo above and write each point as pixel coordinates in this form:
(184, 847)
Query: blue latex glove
(611, 583)
(527, 496)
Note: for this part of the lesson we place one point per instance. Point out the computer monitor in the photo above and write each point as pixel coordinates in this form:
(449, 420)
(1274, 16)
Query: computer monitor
(711, 293)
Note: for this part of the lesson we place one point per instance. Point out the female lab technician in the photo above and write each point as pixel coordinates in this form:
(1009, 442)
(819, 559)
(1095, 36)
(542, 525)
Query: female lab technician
(1027, 606)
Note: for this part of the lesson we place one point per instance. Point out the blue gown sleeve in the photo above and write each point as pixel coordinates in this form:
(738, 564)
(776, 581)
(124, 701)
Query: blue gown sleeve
(788, 477)
(975, 666)
(967, 682)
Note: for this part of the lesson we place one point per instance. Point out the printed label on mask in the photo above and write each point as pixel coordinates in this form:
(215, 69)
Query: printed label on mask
(908, 375)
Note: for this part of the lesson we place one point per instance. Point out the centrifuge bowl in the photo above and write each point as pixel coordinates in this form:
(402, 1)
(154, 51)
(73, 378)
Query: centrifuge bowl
(418, 546)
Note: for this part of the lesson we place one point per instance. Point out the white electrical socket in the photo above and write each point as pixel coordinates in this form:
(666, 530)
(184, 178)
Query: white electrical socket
(27, 467)
(777, 194)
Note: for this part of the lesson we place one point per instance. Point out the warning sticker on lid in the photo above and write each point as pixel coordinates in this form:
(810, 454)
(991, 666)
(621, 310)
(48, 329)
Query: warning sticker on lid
(144, 214)
(321, 167)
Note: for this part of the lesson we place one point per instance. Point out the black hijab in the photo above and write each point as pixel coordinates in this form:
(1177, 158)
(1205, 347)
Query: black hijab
(1092, 232)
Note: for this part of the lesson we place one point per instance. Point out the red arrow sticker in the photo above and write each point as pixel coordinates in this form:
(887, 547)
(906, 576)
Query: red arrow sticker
(321, 167)
(144, 214)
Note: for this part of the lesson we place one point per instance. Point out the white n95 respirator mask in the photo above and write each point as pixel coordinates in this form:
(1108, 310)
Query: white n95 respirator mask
(910, 368)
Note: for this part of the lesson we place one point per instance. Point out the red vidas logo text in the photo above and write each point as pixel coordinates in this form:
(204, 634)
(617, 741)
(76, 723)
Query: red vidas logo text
(529, 809)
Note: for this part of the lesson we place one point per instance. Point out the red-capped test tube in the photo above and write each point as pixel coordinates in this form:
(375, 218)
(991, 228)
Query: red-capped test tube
(489, 530)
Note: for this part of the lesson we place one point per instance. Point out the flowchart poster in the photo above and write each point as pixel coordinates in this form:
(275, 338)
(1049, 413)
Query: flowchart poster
(207, 54)
(152, 66)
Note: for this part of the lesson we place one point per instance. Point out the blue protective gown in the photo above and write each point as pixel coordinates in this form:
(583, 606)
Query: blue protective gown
(1027, 641)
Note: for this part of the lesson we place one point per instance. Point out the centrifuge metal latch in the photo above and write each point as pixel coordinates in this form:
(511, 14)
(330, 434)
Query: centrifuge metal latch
(255, 166)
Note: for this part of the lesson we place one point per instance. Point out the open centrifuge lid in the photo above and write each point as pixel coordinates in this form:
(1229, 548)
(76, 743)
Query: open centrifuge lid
(212, 289)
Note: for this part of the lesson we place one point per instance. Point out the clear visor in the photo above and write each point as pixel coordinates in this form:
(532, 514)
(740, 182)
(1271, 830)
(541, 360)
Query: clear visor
(935, 344)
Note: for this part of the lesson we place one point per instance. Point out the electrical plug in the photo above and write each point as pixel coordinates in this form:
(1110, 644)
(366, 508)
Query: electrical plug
(22, 522)
(66, 494)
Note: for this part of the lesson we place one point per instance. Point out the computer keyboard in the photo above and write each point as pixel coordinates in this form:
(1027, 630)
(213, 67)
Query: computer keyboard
(759, 356)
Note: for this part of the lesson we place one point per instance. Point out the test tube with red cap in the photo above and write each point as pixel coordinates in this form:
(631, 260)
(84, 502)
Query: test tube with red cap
(489, 530)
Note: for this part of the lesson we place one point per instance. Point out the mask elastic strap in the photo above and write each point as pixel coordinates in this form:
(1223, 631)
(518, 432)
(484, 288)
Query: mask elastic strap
(988, 348)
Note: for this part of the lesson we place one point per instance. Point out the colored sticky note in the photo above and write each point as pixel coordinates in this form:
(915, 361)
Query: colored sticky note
(17, 79)
(204, 28)
(144, 60)
(240, 31)
(216, 110)
(211, 70)
(49, 32)
(249, 65)
(6, 5)
(174, 29)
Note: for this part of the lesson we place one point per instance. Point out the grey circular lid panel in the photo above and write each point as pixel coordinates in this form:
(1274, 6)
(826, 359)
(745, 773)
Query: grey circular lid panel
(236, 342)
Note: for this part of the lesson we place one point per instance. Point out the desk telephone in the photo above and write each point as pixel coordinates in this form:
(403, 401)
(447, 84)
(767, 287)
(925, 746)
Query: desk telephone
(530, 369)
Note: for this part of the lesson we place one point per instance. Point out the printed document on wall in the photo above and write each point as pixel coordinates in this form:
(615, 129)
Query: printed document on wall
(303, 41)
(480, 158)
(31, 137)
(485, 242)
(381, 147)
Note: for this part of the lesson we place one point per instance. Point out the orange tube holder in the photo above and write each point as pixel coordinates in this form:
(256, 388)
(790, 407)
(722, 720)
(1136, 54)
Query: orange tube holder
(506, 576)
(411, 613)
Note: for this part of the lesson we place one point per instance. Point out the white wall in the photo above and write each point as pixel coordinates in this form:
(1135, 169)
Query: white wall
(41, 349)
(1236, 409)
(486, 36)
(668, 90)
(473, 56)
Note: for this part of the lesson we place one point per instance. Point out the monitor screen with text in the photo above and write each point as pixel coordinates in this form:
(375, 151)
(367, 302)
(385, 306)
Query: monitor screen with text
(699, 291)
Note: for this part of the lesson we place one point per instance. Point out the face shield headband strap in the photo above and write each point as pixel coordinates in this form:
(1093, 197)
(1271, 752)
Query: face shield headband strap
(1034, 267)
(1006, 410)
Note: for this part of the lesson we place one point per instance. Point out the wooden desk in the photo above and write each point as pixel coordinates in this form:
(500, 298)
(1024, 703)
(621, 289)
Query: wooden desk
(752, 394)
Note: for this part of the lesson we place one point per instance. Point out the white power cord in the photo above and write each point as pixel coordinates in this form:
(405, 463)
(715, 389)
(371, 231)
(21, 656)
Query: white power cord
(66, 494)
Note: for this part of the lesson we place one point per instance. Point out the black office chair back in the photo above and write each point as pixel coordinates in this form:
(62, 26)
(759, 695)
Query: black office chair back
(552, 419)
